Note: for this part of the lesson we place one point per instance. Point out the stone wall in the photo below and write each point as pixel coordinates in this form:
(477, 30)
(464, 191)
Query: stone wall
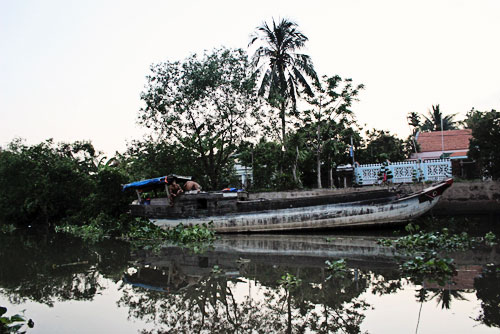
(472, 198)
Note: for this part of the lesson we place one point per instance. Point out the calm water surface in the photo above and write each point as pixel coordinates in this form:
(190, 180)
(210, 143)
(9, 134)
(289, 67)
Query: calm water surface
(67, 286)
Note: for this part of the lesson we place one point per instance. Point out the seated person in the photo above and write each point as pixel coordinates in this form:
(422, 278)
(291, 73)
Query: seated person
(174, 189)
(192, 186)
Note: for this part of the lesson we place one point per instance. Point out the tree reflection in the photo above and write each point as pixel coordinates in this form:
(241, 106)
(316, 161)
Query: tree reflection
(210, 305)
(444, 296)
(54, 268)
(488, 291)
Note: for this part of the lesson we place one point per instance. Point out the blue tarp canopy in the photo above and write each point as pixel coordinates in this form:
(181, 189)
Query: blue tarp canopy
(150, 183)
(154, 183)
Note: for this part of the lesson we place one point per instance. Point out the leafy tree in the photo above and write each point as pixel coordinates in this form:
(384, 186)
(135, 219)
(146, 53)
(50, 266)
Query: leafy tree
(47, 184)
(472, 118)
(483, 146)
(331, 115)
(41, 183)
(432, 122)
(283, 70)
(203, 105)
(148, 158)
(262, 158)
(382, 146)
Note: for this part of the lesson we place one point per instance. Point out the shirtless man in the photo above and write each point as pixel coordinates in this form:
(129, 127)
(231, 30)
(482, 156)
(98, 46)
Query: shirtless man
(192, 185)
(174, 190)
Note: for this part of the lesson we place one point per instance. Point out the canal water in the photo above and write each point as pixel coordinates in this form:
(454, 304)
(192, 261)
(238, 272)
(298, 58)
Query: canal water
(242, 284)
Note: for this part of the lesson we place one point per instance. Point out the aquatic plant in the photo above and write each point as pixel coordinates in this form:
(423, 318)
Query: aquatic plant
(147, 235)
(289, 281)
(429, 267)
(7, 228)
(13, 324)
(191, 234)
(141, 233)
(422, 252)
(421, 241)
(490, 239)
(336, 268)
(89, 233)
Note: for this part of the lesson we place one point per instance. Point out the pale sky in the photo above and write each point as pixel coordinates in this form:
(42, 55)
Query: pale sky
(74, 70)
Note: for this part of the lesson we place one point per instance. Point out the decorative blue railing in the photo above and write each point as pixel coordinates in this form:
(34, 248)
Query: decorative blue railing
(405, 172)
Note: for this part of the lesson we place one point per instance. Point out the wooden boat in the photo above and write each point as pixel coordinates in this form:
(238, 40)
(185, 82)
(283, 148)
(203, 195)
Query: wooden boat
(234, 212)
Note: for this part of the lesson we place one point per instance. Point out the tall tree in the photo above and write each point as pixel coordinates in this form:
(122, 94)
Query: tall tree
(433, 121)
(332, 100)
(205, 105)
(413, 119)
(483, 146)
(283, 70)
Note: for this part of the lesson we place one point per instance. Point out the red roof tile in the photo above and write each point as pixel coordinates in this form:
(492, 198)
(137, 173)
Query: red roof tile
(453, 140)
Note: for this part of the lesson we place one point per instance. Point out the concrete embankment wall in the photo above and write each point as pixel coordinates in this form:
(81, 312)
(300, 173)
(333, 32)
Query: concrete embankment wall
(463, 198)
(470, 198)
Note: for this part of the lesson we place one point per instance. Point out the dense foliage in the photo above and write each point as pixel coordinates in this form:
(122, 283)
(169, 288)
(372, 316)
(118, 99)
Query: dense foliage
(46, 184)
(382, 146)
(485, 138)
(149, 158)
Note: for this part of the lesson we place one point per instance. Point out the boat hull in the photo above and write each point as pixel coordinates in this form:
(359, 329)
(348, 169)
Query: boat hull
(328, 216)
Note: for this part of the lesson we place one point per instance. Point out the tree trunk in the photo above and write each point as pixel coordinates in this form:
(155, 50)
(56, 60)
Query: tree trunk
(283, 126)
(318, 150)
(294, 167)
(330, 172)
(330, 177)
(318, 166)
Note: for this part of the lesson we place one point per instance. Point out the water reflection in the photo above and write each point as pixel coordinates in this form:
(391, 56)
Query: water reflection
(488, 291)
(238, 286)
(200, 289)
(54, 268)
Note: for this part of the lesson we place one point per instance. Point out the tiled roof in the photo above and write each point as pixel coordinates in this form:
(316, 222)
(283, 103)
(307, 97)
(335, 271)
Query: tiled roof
(453, 140)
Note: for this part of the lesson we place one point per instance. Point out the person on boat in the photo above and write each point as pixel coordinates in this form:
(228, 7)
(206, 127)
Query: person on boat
(192, 186)
(174, 189)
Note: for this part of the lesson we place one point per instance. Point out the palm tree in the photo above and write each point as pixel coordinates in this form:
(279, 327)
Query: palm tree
(282, 69)
(433, 122)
